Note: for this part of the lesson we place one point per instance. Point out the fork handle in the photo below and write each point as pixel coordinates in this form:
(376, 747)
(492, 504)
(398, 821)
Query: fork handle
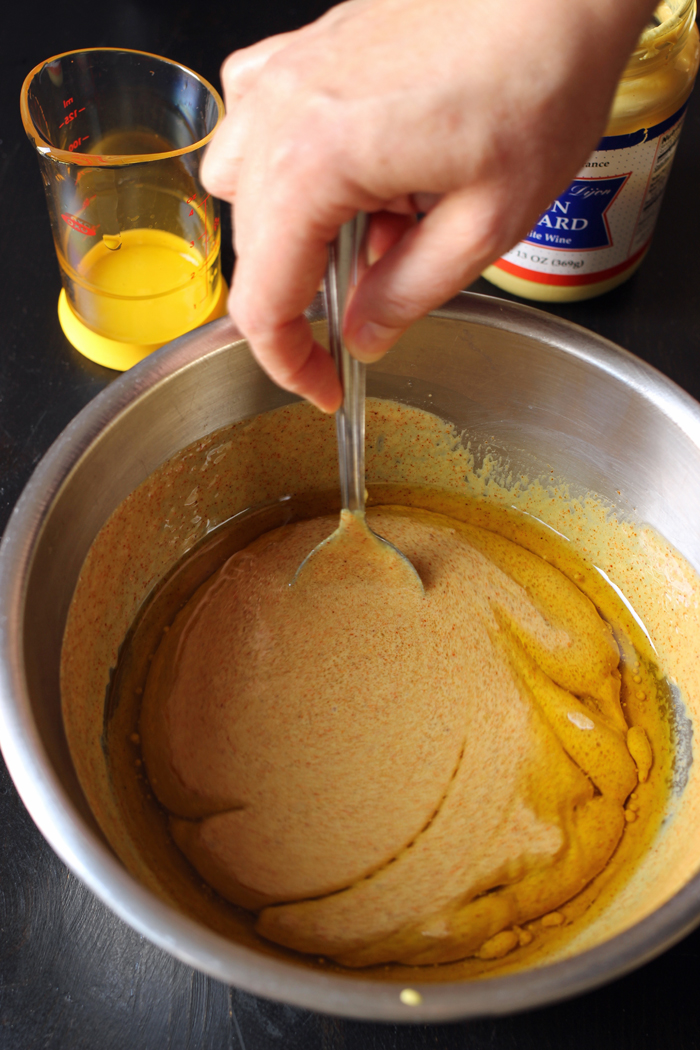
(341, 276)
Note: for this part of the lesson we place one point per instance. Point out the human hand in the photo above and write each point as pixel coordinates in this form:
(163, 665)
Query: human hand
(478, 113)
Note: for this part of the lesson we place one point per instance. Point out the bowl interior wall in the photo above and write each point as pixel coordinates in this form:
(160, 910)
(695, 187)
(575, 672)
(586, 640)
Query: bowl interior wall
(543, 408)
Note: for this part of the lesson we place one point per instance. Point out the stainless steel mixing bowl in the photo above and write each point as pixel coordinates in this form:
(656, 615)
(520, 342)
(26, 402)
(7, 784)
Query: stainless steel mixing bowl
(548, 395)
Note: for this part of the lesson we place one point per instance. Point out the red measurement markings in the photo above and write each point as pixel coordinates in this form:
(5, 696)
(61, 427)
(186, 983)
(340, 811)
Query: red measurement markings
(193, 199)
(78, 142)
(204, 236)
(79, 225)
(205, 297)
(71, 116)
(67, 102)
(206, 243)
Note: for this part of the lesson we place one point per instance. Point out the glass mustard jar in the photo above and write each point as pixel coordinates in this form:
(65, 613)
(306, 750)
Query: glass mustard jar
(596, 234)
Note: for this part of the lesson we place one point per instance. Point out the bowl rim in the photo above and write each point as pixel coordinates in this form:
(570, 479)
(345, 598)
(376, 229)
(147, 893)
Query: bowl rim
(88, 856)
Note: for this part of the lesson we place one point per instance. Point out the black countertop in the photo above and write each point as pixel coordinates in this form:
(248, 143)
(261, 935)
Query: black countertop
(72, 976)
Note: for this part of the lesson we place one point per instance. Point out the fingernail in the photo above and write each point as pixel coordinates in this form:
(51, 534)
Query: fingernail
(371, 340)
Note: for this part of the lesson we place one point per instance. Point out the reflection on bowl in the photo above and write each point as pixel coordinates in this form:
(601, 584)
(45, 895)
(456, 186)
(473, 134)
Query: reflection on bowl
(538, 396)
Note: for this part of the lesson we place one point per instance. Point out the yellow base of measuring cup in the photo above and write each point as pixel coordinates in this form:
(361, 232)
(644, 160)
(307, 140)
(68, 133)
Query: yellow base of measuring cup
(111, 352)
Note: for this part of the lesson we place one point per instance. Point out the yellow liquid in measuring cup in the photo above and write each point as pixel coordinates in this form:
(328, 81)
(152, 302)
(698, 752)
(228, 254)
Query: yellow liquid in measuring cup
(146, 286)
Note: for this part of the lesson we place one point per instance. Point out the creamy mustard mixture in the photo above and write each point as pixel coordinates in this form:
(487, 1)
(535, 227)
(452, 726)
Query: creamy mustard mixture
(511, 812)
(383, 775)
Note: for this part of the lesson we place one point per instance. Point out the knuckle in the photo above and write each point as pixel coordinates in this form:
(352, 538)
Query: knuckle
(247, 315)
(302, 156)
(219, 174)
(484, 227)
(229, 70)
(398, 309)
(281, 81)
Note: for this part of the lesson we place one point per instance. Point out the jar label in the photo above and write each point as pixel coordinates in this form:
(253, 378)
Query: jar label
(603, 223)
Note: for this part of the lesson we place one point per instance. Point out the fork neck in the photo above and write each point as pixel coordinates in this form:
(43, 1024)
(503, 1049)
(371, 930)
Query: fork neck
(341, 277)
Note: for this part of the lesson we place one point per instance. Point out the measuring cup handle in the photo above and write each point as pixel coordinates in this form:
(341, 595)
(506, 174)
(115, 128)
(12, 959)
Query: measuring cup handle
(341, 276)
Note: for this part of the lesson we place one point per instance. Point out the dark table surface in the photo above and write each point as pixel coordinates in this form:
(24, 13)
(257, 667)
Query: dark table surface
(72, 976)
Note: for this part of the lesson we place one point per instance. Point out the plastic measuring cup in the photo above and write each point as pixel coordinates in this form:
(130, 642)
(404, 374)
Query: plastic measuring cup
(119, 136)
